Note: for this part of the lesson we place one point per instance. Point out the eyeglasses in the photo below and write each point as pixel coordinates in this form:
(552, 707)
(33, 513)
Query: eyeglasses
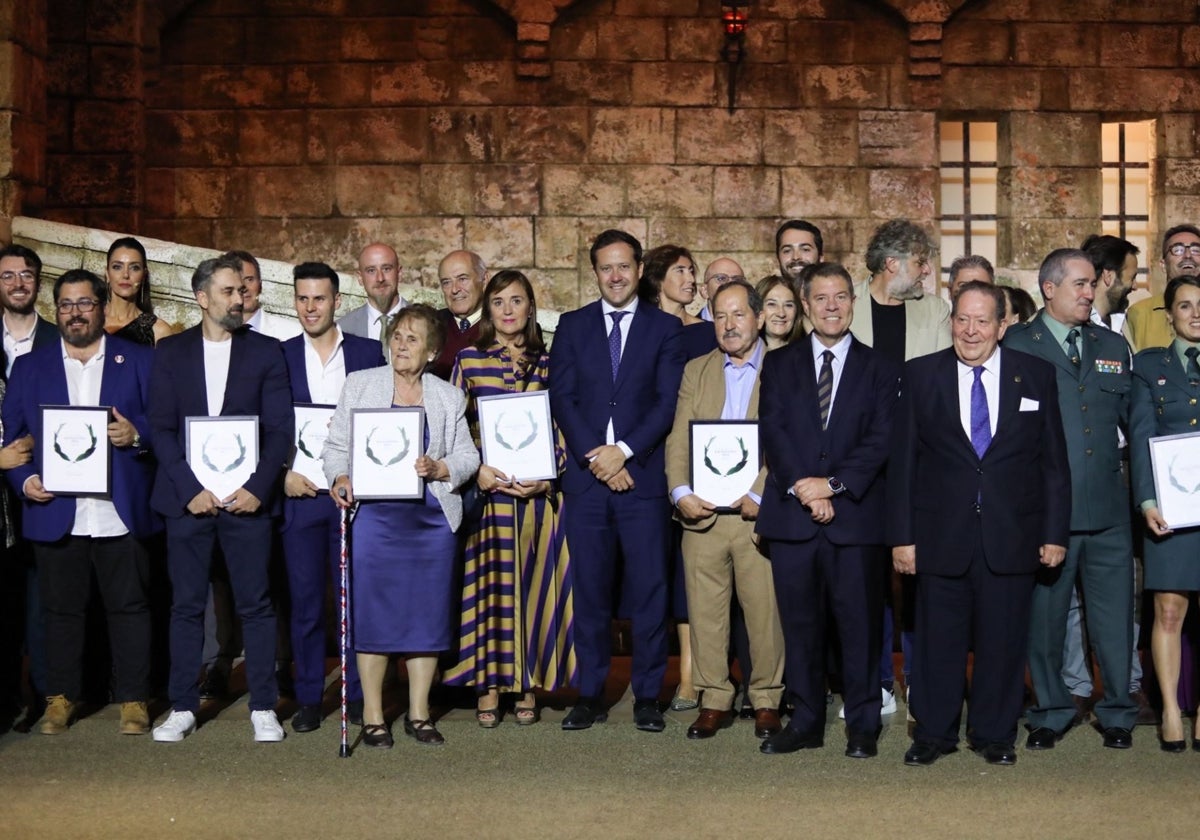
(722, 279)
(82, 305)
(1192, 249)
(10, 277)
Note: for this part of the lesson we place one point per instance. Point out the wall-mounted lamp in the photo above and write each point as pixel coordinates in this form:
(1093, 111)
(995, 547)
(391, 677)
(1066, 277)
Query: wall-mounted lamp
(734, 14)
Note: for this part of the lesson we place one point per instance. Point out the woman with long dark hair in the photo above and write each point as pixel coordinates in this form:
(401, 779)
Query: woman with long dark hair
(129, 313)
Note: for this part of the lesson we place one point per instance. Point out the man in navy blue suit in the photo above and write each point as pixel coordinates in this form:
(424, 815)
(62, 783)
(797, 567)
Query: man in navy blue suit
(615, 369)
(826, 415)
(318, 361)
(219, 368)
(74, 536)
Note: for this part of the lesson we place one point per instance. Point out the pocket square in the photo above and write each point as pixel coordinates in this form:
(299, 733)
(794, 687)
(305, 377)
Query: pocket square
(1028, 404)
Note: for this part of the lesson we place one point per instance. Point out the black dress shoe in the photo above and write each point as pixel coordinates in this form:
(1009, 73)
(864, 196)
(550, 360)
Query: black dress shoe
(306, 719)
(423, 731)
(1118, 738)
(647, 717)
(215, 684)
(1003, 754)
(377, 735)
(1042, 738)
(354, 712)
(1172, 746)
(586, 712)
(859, 745)
(788, 740)
(924, 753)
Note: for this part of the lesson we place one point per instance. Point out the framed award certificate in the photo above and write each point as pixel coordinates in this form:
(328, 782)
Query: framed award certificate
(385, 444)
(312, 427)
(725, 459)
(222, 452)
(1176, 464)
(516, 435)
(76, 454)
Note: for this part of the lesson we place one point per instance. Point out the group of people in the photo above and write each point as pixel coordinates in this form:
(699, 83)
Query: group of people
(978, 448)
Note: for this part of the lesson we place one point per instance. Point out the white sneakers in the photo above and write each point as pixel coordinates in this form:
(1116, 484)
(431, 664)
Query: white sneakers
(266, 726)
(176, 727)
(888, 703)
(179, 725)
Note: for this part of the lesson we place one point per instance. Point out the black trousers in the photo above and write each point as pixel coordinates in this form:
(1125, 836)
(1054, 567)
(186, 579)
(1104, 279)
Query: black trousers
(122, 570)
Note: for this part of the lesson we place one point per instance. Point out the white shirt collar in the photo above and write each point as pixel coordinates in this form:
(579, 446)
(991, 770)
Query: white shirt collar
(607, 307)
(99, 356)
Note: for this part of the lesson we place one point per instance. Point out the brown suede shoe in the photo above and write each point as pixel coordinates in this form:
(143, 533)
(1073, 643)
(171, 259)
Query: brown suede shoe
(59, 711)
(135, 720)
(766, 723)
(709, 721)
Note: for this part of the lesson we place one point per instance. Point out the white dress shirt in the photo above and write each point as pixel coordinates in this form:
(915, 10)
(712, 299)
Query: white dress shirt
(325, 379)
(276, 326)
(623, 325)
(991, 387)
(15, 347)
(840, 351)
(93, 517)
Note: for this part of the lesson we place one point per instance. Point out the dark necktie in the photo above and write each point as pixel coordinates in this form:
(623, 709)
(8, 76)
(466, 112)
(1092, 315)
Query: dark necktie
(981, 424)
(1072, 348)
(614, 342)
(464, 325)
(1193, 369)
(825, 387)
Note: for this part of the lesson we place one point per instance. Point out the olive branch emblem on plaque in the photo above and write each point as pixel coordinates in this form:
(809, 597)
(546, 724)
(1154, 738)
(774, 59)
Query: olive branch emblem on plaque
(1177, 479)
(83, 456)
(736, 468)
(237, 462)
(397, 459)
(521, 444)
(300, 444)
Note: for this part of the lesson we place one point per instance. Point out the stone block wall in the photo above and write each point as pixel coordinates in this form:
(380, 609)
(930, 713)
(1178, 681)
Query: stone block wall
(22, 108)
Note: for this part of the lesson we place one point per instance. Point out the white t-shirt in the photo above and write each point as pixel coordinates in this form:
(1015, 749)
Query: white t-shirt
(216, 372)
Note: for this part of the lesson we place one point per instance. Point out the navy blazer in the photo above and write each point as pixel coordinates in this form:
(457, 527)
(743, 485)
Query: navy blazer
(38, 379)
(359, 354)
(641, 402)
(940, 491)
(257, 385)
(853, 448)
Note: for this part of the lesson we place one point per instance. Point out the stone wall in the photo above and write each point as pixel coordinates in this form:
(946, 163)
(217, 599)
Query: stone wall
(303, 129)
(22, 108)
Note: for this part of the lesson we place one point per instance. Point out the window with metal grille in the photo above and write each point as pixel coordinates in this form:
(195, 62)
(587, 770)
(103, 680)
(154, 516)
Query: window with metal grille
(968, 191)
(1125, 150)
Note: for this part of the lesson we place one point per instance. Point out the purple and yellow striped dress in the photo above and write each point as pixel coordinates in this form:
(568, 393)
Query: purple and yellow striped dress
(516, 620)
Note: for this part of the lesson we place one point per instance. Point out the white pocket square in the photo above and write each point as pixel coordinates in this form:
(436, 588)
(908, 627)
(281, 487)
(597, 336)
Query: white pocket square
(1028, 404)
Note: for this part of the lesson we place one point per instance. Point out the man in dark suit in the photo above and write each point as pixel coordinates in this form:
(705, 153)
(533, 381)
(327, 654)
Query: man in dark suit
(318, 361)
(20, 280)
(218, 368)
(75, 537)
(979, 498)
(463, 277)
(826, 410)
(617, 367)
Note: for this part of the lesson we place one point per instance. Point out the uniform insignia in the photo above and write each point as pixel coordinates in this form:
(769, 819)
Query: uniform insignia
(119, 359)
(1037, 336)
(1162, 380)
(1106, 366)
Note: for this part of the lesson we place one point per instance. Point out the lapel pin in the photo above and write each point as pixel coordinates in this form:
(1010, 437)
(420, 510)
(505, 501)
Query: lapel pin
(119, 359)
(1017, 378)
(1162, 380)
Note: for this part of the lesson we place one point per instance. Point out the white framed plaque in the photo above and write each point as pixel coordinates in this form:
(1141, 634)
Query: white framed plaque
(725, 459)
(222, 452)
(312, 427)
(385, 444)
(76, 454)
(516, 435)
(1176, 463)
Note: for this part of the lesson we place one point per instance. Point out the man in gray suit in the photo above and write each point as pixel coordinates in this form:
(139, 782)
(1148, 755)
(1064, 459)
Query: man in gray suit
(379, 272)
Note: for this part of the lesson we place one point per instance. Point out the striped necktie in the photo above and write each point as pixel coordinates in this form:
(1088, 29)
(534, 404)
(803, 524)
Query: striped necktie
(825, 387)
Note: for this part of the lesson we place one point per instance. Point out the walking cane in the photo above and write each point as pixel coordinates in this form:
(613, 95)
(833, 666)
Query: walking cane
(344, 619)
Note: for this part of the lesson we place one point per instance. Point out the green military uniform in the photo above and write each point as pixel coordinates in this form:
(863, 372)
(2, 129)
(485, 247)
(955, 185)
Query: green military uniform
(1166, 401)
(1093, 395)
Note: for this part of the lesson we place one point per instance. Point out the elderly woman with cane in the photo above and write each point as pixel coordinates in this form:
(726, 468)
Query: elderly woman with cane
(403, 552)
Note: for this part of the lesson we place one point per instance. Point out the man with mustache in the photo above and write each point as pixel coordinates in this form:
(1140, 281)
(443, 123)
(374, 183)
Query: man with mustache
(20, 279)
(217, 369)
(379, 272)
(1145, 324)
(74, 538)
(463, 277)
(718, 545)
(826, 416)
(798, 243)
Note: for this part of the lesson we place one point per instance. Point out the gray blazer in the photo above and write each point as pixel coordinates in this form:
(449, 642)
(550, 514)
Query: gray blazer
(445, 415)
(358, 321)
(926, 322)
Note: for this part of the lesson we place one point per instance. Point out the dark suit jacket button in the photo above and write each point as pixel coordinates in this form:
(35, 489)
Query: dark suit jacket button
(979, 470)
(613, 402)
(977, 507)
(1083, 408)
(1087, 452)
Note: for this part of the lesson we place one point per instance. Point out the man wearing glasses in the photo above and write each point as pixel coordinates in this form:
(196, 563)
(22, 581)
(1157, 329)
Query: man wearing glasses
(1145, 322)
(719, 272)
(75, 537)
(20, 277)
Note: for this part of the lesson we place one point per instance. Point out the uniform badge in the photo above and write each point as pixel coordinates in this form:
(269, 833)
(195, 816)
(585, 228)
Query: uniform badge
(1106, 366)
(1162, 380)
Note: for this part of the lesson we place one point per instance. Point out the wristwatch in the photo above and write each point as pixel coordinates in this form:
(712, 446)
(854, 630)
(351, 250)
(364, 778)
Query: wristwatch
(835, 486)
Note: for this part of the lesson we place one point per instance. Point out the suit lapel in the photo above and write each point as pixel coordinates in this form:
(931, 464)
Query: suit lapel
(1010, 389)
(633, 345)
(1046, 347)
(236, 349)
(298, 361)
(948, 394)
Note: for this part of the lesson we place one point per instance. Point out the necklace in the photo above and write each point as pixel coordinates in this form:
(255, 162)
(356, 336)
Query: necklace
(398, 399)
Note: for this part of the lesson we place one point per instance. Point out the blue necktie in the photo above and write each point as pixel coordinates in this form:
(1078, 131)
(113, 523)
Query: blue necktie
(614, 342)
(981, 425)
(464, 325)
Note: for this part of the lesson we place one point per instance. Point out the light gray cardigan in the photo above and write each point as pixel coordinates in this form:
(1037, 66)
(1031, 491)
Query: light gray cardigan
(445, 415)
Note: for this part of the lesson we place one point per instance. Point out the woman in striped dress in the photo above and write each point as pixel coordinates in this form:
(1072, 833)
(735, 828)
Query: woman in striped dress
(516, 620)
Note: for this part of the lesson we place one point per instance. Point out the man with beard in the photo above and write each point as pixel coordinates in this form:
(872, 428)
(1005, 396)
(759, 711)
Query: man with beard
(1145, 324)
(798, 243)
(217, 369)
(76, 537)
(379, 272)
(1091, 366)
(463, 277)
(20, 279)
(1116, 264)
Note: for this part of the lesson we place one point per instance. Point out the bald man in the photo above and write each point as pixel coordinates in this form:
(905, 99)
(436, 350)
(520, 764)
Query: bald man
(379, 272)
(719, 272)
(463, 277)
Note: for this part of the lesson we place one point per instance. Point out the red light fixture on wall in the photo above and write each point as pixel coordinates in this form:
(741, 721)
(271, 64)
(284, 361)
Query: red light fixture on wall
(734, 16)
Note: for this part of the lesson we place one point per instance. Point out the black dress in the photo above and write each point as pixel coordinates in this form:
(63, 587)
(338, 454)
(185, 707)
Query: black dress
(140, 330)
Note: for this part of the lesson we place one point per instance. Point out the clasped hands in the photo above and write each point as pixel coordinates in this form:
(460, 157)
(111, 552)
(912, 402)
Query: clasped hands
(607, 464)
(814, 494)
(492, 480)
